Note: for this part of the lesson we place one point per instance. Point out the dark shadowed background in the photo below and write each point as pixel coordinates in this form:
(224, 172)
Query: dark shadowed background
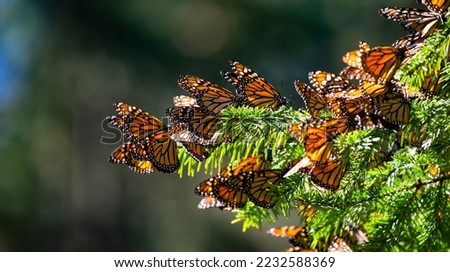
(64, 62)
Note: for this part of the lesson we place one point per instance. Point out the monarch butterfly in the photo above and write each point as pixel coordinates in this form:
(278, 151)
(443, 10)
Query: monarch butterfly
(317, 136)
(392, 93)
(316, 143)
(135, 123)
(251, 163)
(161, 150)
(420, 23)
(349, 106)
(329, 83)
(327, 175)
(152, 147)
(122, 119)
(368, 120)
(353, 73)
(144, 125)
(331, 126)
(195, 147)
(377, 159)
(179, 115)
(381, 62)
(440, 6)
(180, 133)
(339, 245)
(117, 121)
(234, 175)
(410, 44)
(393, 108)
(141, 167)
(253, 177)
(341, 102)
(125, 109)
(231, 198)
(408, 91)
(348, 94)
(253, 90)
(374, 89)
(306, 210)
(318, 146)
(288, 231)
(432, 85)
(202, 125)
(123, 155)
(249, 179)
(259, 187)
(335, 126)
(211, 202)
(354, 58)
(211, 98)
(297, 235)
(315, 102)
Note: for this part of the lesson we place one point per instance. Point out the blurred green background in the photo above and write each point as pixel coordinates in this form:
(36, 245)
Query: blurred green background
(64, 62)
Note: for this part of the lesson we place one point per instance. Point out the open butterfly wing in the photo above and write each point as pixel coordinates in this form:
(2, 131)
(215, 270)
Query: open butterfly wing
(417, 22)
(260, 187)
(440, 6)
(160, 150)
(393, 108)
(254, 90)
(122, 153)
(328, 175)
(236, 176)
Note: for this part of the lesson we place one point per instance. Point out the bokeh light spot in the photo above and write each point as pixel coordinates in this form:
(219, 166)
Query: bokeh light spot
(199, 29)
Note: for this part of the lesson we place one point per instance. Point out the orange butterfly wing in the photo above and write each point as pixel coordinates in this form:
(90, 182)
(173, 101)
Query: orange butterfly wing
(315, 103)
(260, 187)
(161, 151)
(211, 98)
(440, 6)
(393, 107)
(254, 90)
(327, 176)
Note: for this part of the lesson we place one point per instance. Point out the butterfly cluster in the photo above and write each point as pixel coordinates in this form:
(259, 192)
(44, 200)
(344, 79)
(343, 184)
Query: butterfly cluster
(365, 94)
(148, 144)
(193, 120)
(378, 99)
(251, 179)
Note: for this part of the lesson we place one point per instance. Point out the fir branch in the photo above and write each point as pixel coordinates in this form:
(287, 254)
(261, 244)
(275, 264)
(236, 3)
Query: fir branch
(250, 131)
